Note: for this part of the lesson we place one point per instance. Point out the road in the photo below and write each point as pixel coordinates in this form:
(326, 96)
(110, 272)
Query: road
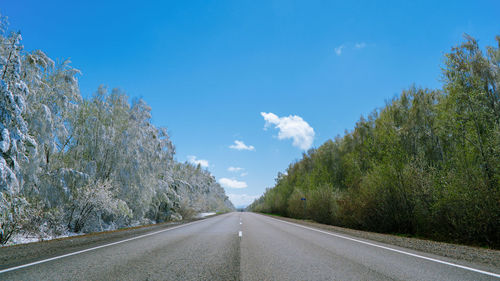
(247, 246)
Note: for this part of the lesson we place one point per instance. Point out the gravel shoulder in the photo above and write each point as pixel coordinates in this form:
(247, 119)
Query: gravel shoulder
(30, 252)
(487, 257)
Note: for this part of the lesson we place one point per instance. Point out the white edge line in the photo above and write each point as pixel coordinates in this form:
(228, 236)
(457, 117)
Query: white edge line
(391, 249)
(240, 233)
(94, 248)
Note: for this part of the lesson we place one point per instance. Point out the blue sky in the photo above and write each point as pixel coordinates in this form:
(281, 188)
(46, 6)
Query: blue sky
(209, 69)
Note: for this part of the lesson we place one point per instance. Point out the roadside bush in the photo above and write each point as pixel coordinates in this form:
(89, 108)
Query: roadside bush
(93, 202)
(15, 214)
(185, 211)
(321, 205)
(296, 206)
(467, 213)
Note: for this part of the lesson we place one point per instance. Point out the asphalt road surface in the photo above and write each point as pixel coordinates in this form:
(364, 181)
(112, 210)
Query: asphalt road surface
(247, 246)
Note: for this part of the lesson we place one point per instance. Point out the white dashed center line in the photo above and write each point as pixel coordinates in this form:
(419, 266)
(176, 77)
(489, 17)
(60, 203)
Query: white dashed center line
(240, 233)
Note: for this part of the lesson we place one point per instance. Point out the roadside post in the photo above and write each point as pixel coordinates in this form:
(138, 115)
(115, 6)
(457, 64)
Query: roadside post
(304, 200)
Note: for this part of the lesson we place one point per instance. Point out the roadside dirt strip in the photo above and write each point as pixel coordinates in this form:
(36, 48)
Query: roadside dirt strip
(487, 257)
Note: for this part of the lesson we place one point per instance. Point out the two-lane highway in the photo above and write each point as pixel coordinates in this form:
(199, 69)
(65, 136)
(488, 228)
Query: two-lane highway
(247, 246)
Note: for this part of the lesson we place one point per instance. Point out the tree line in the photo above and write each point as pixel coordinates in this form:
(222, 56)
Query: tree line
(427, 164)
(73, 164)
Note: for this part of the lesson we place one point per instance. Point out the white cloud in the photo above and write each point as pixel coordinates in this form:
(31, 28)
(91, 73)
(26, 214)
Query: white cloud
(230, 183)
(338, 50)
(357, 46)
(360, 45)
(192, 159)
(242, 200)
(244, 174)
(240, 145)
(234, 169)
(291, 127)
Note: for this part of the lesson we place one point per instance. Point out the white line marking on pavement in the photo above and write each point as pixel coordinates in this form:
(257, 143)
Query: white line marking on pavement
(241, 222)
(95, 248)
(391, 249)
(240, 233)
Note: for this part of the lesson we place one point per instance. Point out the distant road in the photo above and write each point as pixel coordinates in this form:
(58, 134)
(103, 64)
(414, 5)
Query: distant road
(246, 246)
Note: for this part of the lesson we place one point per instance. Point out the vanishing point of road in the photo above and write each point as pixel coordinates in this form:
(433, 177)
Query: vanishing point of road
(246, 246)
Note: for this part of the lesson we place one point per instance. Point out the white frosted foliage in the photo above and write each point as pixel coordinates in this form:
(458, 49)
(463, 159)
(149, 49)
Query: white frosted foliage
(82, 165)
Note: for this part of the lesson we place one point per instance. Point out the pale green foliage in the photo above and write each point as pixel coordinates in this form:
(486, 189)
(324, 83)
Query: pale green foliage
(426, 164)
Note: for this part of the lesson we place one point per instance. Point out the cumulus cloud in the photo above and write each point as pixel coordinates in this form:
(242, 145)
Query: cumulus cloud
(291, 127)
(338, 50)
(240, 145)
(241, 200)
(360, 45)
(192, 159)
(234, 169)
(230, 183)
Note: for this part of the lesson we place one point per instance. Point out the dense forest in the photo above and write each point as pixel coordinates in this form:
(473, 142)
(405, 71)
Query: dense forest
(427, 164)
(70, 164)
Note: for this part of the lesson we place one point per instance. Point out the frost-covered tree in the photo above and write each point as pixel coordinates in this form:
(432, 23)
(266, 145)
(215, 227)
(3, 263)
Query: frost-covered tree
(14, 215)
(113, 140)
(68, 163)
(54, 100)
(199, 189)
(93, 201)
(15, 143)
